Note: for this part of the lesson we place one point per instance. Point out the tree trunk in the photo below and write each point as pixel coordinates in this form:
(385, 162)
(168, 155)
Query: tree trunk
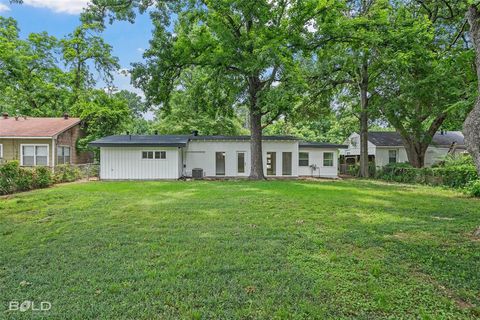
(364, 172)
(415, 153)
(256, 166)
(256, 161)
(471, 126)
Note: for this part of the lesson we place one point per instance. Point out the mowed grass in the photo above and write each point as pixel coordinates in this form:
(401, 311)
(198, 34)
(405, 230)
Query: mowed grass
(241, 250)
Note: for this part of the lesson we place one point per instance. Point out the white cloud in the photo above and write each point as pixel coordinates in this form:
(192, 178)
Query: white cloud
(61, 6)
(4, 7)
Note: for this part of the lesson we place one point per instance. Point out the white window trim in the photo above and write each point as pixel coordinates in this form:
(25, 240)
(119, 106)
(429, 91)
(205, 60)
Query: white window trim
(35, 156)
(1, 150)
(244, 163)
(396, 155)
(153, 159)
(308, 159)
(333, 159)
(63, 146)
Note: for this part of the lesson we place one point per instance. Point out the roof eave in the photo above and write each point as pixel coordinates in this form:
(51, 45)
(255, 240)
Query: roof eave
(107, 144)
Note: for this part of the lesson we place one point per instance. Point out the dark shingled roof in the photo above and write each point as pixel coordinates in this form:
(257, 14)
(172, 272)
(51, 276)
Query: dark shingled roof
(172, 140)
(243, 138)
(305, 144)
(393, 139)
(182, 140)
(142, 141)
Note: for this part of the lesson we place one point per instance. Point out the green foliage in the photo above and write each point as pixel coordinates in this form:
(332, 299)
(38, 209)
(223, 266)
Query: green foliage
(14, 178)
(454, 173)
(66, 173)
(204, 100)
(44, 76)
(42, 177)
(104, 115)
(473, 188)
(354, 169)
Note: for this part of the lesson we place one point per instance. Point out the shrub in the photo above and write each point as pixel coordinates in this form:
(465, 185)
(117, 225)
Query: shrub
(25, 179)
(43, 177)
(354, 169)
(454, 172)
(67, 173)
(473, 188)
(8, 177)
(14, 178)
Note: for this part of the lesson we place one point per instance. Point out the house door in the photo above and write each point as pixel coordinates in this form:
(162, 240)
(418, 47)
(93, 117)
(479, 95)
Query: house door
(220, 163)
(271, 163)
(241, 163)
(286, 163)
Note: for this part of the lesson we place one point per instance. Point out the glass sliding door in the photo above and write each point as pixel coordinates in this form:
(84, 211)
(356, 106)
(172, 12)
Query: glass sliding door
(271, 163)
(220, 163)
(240, 163)
(286, 163)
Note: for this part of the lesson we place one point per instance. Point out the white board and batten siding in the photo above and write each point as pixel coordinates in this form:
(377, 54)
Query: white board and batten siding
(201, 154)
(315, 157)
(126, 163)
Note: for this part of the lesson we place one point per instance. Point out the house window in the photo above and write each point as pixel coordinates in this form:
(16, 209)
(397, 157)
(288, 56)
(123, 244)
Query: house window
(1, 151)
(34, 155)
(151, 155)
(303, 159)
(63, 155)
(392, 156)
(328, 159)
(241, 162)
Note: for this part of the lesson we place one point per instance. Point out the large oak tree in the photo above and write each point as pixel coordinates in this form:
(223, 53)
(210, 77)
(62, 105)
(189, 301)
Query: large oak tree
(256, 43)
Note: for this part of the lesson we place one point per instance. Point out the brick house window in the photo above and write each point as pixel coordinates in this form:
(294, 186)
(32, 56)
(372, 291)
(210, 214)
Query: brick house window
(34, 155)
(63, 155)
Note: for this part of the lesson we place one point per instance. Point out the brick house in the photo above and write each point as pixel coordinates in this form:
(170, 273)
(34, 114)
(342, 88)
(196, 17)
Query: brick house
(41, 141)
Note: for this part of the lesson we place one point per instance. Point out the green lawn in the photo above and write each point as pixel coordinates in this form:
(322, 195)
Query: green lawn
(241, 249)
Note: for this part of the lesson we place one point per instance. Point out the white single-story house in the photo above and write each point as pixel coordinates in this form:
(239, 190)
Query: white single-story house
(132, 157)
(387, 147)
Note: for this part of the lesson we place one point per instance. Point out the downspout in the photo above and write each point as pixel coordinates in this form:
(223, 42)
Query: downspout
(53, 155)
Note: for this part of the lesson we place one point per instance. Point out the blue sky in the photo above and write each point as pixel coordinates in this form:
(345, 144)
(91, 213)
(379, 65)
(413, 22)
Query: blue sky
(60, 17)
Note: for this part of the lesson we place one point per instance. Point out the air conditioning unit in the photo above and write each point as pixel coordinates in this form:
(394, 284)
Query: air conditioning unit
(197, 173)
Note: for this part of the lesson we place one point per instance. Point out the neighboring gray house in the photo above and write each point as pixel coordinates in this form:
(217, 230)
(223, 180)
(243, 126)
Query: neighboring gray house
(387, 147)
(175, 156)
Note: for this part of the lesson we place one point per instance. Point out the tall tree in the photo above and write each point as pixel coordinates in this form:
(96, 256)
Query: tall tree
(471, 127)
(84, 48)
(256, 43)
(31, 82)
(203, 100)
(429, 77)
(355, 61)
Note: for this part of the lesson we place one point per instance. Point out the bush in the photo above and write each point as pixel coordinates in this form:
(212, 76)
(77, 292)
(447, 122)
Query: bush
(67, 173)
(14, 178)
(25, 179)
(454, 172)
(354, 169)
(8, 177)
(43, 177)
(473, 188)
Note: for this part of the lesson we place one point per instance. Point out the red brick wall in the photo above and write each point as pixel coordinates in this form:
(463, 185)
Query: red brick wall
(69, 138)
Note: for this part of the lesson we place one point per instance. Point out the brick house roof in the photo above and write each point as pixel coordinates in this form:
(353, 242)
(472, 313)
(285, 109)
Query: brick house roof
(35, 127)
